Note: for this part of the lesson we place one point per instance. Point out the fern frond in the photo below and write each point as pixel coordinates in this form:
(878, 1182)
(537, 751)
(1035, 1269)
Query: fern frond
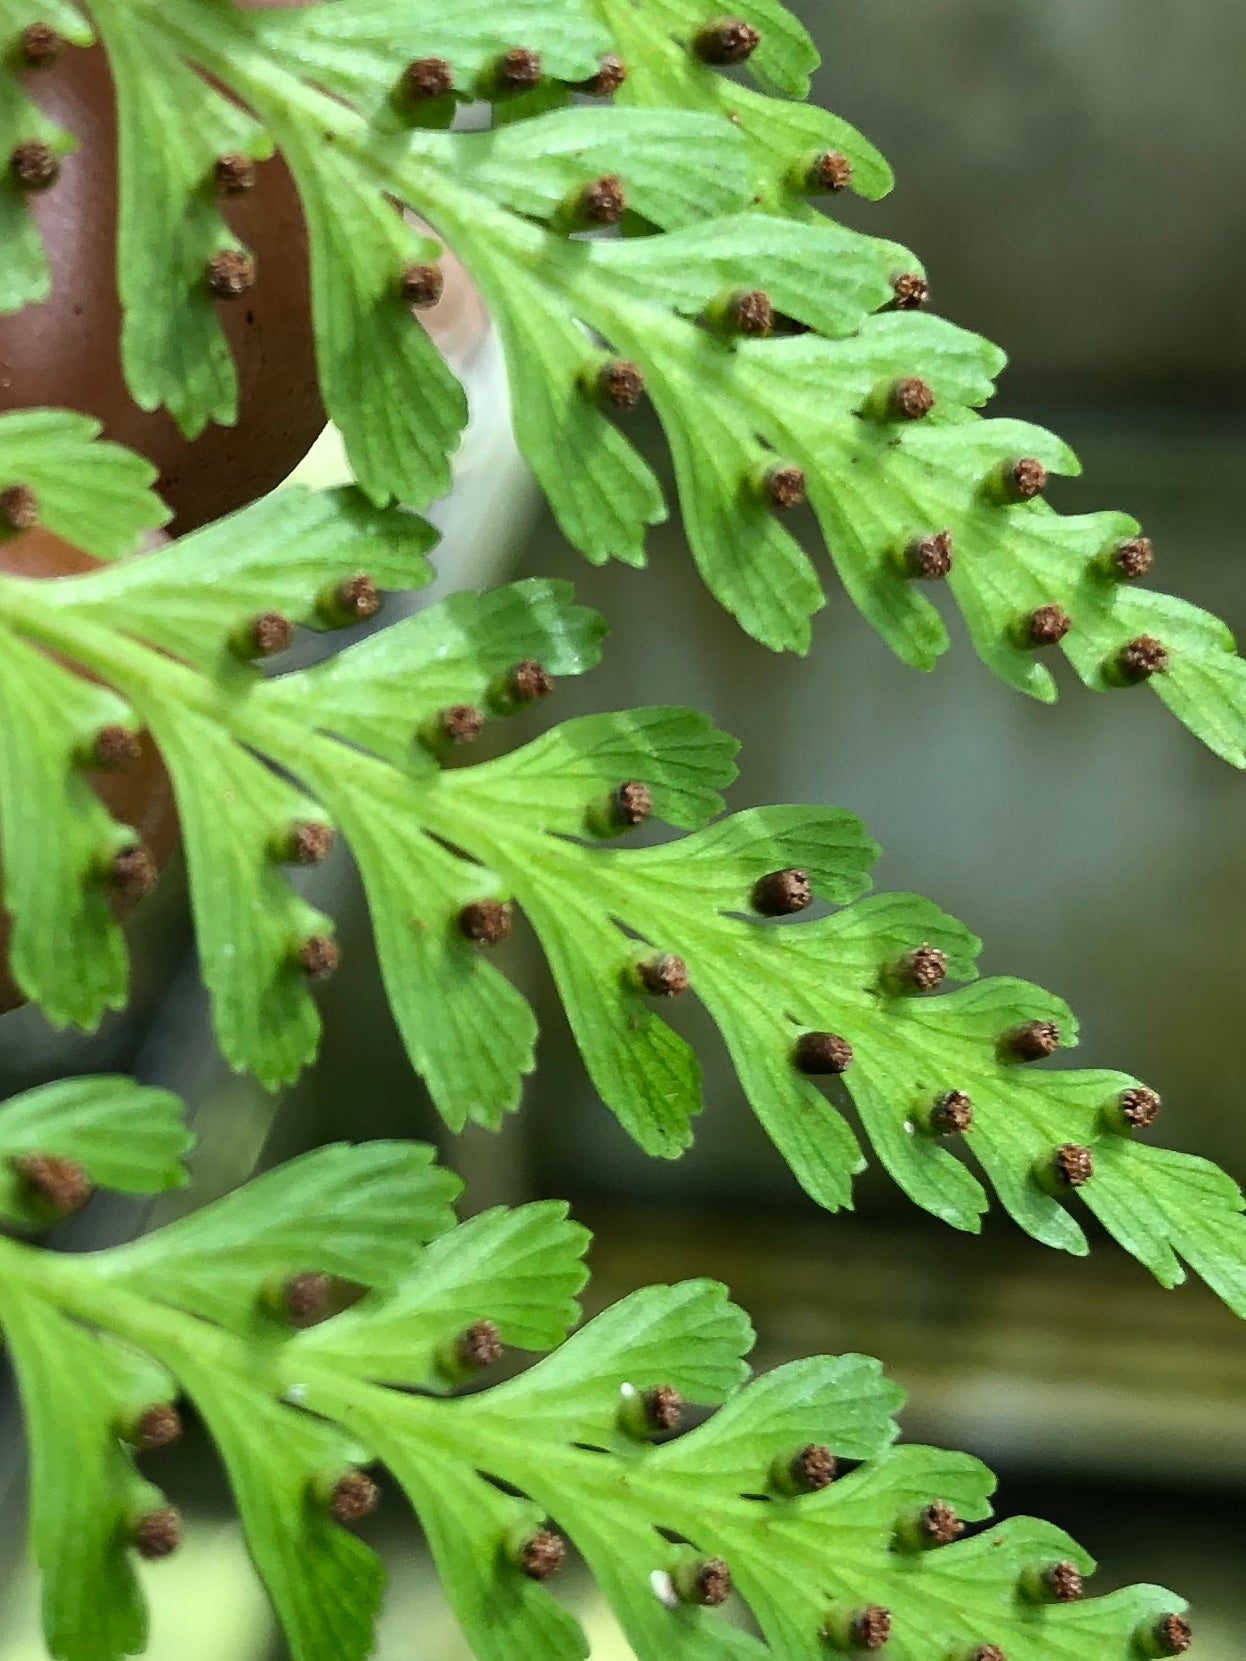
(236, 1308)
(869, 412)
(263, 769)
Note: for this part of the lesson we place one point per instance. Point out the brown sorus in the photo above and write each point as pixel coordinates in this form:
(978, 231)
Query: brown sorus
(665, 976)
(1047, 626)
(604, 201)
(529, 680)
(726, 40)
(61, 1185)
(132, 871)
(231, 273)
(543, 1555)
(750, 312)
(924, 968)
(461, 723)
(786, 487)
(234, 174)
(310, 842)
(480, 1346)
(422, 285)
(158, 1534)
(354, 1497)
(40, 46)
(930, 557)
(1025, 479)
(19, 508)
(871, 1627)
(632, 803)
(519, 70)
(663, 1408)
(822, 1052)
(486, 921)
(1133, 559)
(988, 1652)
(319, 956)
(911, 290)
(1173, 1634)
(710, 1584)
(305, 1296)
(782, 893)
(1074, 1165)
(114, 747)
(911, 399)
(1140, 1107)
(1063, 1582)
(830, 171)
(426, 79)
(940, 1525)
(1034, 1040)
(610, 76)
(34, 165)
(621, 383)
(356, 598)
(1143, 657)
(159, 1426)
(952, 1114)
(268, 634)
(813, 1468)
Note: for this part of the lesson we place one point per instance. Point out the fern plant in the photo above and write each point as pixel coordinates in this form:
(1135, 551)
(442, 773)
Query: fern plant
(234, 1304)
(321, 1319)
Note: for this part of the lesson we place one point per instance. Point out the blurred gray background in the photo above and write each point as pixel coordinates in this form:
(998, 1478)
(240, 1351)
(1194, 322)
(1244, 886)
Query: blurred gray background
(1072, 173)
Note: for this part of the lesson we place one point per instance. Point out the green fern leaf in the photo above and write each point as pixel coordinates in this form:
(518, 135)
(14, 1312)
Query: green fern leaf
(840, 411)
(78, 1390)
(788, 141)
(95, 495)
(263, 768)
(170, 226)
(747, 1500)
(520, 1270)
(67, 949)
(385, 1199)
(122, 1136)
(25, 279)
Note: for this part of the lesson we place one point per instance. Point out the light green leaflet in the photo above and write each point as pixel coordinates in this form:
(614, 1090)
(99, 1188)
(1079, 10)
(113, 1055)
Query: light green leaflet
(783, 134)
(716, 180)
(100, 1340)
(353, 742)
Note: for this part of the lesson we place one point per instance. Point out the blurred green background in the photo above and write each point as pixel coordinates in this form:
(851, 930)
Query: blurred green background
(1072, 174)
